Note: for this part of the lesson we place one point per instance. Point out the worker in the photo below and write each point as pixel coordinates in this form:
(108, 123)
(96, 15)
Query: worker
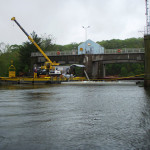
(35, 72)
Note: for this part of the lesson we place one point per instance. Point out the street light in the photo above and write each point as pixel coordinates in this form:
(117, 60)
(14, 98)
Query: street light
(86, 37)
(86, 31)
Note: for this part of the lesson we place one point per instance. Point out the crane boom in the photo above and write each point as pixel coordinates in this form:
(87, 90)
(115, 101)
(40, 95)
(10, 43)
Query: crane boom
(37, 46)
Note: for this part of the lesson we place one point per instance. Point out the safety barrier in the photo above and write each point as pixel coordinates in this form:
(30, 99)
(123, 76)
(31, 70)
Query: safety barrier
(124, 51)
(119, 78)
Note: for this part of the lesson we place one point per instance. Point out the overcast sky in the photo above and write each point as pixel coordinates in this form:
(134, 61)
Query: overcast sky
(108, 19)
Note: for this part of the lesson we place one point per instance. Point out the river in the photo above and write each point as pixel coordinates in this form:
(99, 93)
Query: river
(74, 117)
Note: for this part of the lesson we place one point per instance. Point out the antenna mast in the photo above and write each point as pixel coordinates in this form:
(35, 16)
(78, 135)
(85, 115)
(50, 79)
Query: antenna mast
(147, 19)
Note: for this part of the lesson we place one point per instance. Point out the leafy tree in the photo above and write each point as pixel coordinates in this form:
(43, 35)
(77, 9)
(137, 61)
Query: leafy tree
(72, 46)
(127, 43)
(25, 53)
(68, 47)
(124, 71)
(47, 43)
(58, 47)
(10, 53)
(3, 47)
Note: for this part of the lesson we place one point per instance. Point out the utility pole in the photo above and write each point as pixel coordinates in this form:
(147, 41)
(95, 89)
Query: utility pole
(86, 37)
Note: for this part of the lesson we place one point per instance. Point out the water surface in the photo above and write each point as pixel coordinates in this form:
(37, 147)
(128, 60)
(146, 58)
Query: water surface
(44, 117)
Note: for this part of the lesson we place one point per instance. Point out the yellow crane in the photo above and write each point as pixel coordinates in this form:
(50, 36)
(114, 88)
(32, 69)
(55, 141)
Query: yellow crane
(49, 65)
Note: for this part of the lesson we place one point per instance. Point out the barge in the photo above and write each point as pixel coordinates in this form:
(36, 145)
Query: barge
(46, 80)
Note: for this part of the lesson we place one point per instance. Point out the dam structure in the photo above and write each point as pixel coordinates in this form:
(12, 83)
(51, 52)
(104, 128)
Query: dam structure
(94, 63)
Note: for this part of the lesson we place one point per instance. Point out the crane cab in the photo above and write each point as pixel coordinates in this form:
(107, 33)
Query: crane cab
(49, 69)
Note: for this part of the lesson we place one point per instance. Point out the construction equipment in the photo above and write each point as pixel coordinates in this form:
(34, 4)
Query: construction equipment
(49, 66)
(76, 72)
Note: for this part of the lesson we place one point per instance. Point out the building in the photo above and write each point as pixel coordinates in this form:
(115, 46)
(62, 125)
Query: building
(90, 47)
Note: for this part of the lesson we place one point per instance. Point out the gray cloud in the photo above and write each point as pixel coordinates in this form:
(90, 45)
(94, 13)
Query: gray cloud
(64, 19)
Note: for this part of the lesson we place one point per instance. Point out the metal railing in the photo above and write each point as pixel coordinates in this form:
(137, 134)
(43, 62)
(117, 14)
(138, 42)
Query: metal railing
(55, 53)
(124, 51)
(106, 51)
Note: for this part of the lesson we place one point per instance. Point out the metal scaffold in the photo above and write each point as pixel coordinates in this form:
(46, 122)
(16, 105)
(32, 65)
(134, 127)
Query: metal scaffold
(147, 28)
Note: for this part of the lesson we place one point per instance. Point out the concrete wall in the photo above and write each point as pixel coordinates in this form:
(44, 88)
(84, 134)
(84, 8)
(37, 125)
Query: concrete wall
(147, 61)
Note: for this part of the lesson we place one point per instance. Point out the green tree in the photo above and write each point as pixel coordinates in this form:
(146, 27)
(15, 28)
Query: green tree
(47, 43)
(9, 53)
(127, 43)
(25, 53)
(124, 71)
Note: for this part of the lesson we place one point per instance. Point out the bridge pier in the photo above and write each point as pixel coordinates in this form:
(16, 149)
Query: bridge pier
(100, 70)
(87, 61)
(94, 69)
(147, 61)
(104, 70)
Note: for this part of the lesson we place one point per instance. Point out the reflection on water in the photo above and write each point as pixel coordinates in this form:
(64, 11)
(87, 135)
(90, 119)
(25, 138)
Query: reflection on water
(145, 119)
(74, 117)
(23, 86)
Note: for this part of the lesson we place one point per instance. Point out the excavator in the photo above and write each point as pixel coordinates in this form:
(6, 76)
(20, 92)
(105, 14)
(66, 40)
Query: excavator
(49, 67)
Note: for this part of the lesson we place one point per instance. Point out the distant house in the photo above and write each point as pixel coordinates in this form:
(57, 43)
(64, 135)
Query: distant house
(90, 47)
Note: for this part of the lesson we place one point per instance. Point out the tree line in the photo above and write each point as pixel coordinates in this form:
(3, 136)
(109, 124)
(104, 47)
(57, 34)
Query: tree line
(20, 54)
(125, 69)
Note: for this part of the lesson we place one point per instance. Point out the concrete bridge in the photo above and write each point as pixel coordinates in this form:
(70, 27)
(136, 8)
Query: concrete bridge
(95, 63)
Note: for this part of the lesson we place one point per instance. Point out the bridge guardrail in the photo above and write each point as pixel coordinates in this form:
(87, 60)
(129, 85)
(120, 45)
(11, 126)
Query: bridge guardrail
(124, 51)
(106, 51)
(55, 53)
